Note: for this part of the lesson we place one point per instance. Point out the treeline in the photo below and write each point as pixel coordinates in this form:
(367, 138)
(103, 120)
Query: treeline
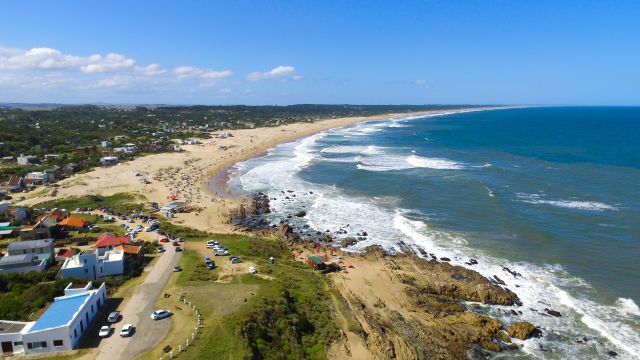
(23, 295)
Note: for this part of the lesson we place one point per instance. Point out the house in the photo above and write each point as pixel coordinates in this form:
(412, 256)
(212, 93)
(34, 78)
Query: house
(6, 230)
(8, 159)
(18, 214)
(53, 173)
(134, 252)
(43, 248)
(48, 157)
(106, 144)
(174, 207)
(27, 160)
(41, 230)
(109, 241)
(92, 265)
(72, 223)
(15, 184)
(22, 263)
(108, 160)
(84, 150)
(60, 327)
(63, 254)
(69, 169)
(316, 263)
(36, 178)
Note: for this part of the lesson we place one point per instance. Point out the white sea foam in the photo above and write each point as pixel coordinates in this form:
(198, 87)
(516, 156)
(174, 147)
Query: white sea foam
(615, 326)
(402, 162)
(569, 204)
(433, 163)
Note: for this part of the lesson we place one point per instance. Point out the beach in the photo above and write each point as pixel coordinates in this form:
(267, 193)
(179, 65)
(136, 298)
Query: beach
(186, 175)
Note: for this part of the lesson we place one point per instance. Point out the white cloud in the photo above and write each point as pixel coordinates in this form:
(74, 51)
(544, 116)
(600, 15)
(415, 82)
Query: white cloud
(150, 70)
(185, 72)
(421, 82)
(278, 71)
(297, 77)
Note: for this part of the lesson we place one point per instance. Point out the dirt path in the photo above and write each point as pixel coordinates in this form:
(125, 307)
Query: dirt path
(137, 311)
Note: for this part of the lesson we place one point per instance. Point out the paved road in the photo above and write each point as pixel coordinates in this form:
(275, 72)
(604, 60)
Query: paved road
(137, 311)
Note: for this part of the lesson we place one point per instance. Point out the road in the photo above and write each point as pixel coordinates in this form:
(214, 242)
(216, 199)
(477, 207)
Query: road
(137, 311)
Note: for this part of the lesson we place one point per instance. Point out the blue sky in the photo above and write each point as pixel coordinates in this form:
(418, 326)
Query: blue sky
(286, 52)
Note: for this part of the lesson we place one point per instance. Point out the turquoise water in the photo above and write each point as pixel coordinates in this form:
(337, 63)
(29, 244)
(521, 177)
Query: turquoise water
(553, 193)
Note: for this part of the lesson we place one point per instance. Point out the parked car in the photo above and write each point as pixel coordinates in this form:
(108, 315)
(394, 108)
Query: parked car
(207, 259)
(252, 270)
(177, 268)
(161, 250)
(113, 317)
(234, 260)
(221, 253)
(164, 240)
(211, 265)
(160, 314)
(178, 249)
(105, 331)
(175, 243)
(127, 330)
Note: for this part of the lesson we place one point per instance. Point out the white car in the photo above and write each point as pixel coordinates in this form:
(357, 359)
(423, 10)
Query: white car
(127, 330)
(221, 253)
(252, 270)
(105, 331)
(160, 314)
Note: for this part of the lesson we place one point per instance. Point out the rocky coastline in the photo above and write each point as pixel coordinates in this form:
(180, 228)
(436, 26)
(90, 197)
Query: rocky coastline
(427, 314)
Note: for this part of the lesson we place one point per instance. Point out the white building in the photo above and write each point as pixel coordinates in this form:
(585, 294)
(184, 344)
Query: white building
(92, 265)
(108, 160)
(23, 263)
(59, 328)
(27, 159)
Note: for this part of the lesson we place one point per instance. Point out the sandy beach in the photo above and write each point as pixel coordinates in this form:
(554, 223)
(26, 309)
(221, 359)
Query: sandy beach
(187, 174)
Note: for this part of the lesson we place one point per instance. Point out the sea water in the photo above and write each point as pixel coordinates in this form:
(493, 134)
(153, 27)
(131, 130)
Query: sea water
(550, 192)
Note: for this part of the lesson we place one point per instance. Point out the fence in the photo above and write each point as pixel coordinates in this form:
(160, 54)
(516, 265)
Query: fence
(194, 335)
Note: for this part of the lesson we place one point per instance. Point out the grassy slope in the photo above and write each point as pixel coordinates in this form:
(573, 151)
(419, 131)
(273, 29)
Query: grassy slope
(285, 317)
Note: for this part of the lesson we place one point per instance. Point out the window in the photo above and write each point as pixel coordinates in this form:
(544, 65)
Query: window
(17, 343)
(92, 308)
(75, 333)
(43, 344)
(36, 345)
(81, 326)
(86, 270)
(58, 343)
(86, 316)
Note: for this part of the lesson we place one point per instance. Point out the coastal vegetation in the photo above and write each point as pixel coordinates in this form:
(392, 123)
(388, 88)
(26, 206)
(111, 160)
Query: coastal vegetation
(22, 296)
(285, 312)
(75, 134)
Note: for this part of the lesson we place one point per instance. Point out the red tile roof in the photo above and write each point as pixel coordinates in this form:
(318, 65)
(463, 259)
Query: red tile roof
(108, 239)
(65, 253)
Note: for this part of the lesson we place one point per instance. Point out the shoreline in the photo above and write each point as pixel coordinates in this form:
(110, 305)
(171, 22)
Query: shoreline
(187, 174)
(220, 173)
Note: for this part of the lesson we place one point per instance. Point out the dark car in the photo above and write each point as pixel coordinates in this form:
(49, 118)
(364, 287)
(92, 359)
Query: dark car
(211, 265)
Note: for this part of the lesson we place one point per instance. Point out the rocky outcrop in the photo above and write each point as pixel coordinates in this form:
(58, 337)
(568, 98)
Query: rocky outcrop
(464, 284)
(346, 242)
(523, 330)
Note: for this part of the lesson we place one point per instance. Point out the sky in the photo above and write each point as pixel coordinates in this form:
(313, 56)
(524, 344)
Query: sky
(333, 52)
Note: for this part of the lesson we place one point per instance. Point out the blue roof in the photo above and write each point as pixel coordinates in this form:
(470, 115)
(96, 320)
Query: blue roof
(60, 312)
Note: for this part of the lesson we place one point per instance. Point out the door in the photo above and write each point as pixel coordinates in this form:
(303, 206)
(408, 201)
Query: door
(7, 347)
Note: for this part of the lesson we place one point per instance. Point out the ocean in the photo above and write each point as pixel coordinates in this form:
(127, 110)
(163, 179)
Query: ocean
(550, 192)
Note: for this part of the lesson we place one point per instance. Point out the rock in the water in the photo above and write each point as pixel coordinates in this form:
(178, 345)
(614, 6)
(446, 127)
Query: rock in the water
(552, 312)
(444, 258)
(301, 213)
(348, 242)
(504, 336)
(523, 330)
(612, 353)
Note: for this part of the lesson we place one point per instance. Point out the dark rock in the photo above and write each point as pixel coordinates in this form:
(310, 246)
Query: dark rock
(444, 258)
(472, 262)
(301, 213)
(552, 312)
(348, 242)
(498, 280)
(612, 353)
